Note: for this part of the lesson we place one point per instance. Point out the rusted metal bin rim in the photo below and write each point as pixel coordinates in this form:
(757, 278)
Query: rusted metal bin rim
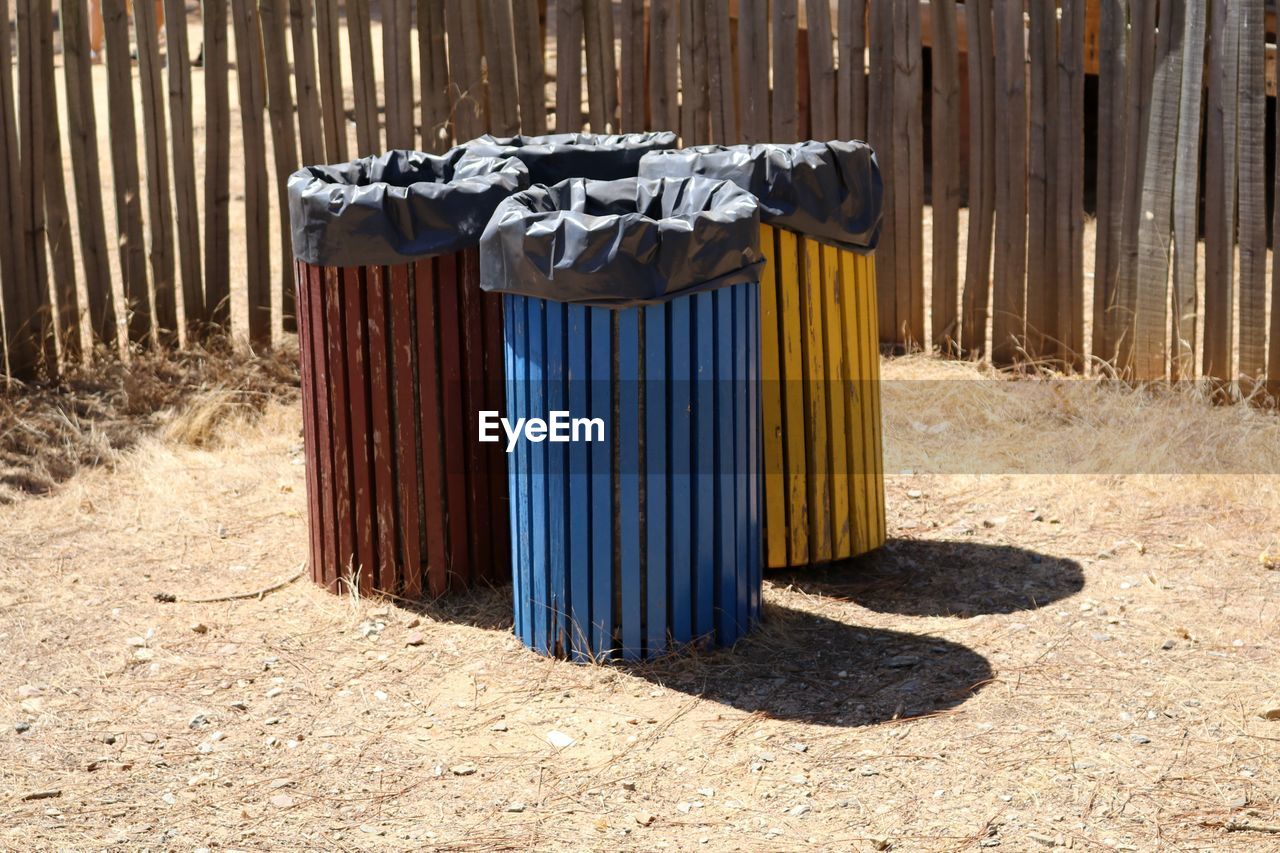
(396, 208)
(622, 243)
(557, 157)
(828, 191)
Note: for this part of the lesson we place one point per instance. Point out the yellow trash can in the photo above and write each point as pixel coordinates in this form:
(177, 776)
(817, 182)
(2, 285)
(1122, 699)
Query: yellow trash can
(820, 203)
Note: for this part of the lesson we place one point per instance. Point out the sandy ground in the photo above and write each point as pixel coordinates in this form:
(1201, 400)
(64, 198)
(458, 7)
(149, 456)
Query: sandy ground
(1035, 659)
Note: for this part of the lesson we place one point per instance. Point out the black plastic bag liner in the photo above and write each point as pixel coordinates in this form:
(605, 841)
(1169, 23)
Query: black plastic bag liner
(560, 156)
(398, 207)
(830, 191)
(622, 243)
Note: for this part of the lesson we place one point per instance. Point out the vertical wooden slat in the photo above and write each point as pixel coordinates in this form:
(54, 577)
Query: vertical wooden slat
(694, 98)
(324, 384)
(830, 291)
(184, 167)
(1008, 286)
(156, 152)
(310, 434)
(466, 51)
(822, 71)
(328, 48)
(1220, 191)
(851, 77)
(602, 76)
(437, 130)
(1150, 294)
(977, 274)
(722, 90)
(217, 171)
(794, 413)
(1112, 117)
(33, 37)
(355, 350)
(531, 60)
(480, 544)
(783, 31)
(427, 288)
(61, 252)
(257, 240)
(816, 426)
(880, 133)
(397, 75)
(500, 50)
(908, 173)
(454, 430)
(945, 129)
(82, 132)
(124, 167)
(664, 31)
(21, 359)
(753, 69)
(631, 71)
(339, 407)
(363, 83)
(284, 142)
(1252, 131)
(380, 437)
(1186, 195)
(771, 389)
(569, 65)
(306, 81)
(1070, 173)
(1042, 183)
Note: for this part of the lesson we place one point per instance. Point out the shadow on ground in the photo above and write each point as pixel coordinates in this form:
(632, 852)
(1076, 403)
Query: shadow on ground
(918, 577)
(802, 666)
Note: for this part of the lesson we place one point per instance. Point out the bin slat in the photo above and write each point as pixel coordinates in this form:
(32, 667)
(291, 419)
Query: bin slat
(726, 610)
(756, 450)
(704, 532)
(793, 407)
(853, 391)
(579, 490)
(326, 572)
(557, 456)
(306, 368)
(656, 389)
(449, 323)
(775, 480)
(361, 449)
(875, 432)
(682, 555)
(537, 558)
(627, 427)
(816, 434)
(403, 352)
(601, 486)
(498, 534)
(830, 292)
(744, 344)
(381, 438)
(518, 377)
(340, 420)
(479, 545)
(426, 294)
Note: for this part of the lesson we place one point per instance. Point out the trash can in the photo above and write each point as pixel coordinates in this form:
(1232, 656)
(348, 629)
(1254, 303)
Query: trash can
(634, 303)
(399, 349)
(558, 157)
(820, 205)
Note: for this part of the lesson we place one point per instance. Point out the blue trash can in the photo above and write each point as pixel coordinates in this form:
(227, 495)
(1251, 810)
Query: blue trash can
(632, 306)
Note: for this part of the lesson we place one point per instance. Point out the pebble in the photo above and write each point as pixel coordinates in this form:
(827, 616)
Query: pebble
(415, 638)
(149, 737)
(282, 801)
(1140, 739)
(198, 721)
(274, 692)
(200, 628)
(1271, 714)
(239, 706)
(628, 785)
(515, 807)
(108, 739)
(498, 727)
(21, 727)
(802, 809)
(463, 770)
(1168, 644)
(643, 818)
(798, 747)
(914, 494)
(559, 740)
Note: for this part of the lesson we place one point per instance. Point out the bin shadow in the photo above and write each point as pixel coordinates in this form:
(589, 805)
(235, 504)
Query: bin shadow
(921, 577)
(810, 668)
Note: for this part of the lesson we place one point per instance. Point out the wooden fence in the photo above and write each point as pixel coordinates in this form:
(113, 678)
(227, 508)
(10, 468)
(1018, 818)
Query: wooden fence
(992, 117)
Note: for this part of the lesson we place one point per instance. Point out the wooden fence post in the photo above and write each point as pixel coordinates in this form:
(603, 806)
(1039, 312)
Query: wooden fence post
(306, 81)
(945, 126)
(1220, 191)
(466, 51)
(437, 124)
(1186, 195)
(500, 46)
(753, 69)
(397, 74)
(1070, 201)
(1112, 117)
(331, 106)
(217, 174)
(364, 85)
(284, 143)
(531, 61)
(184, 167)
(1042, 184)
(61, 250)
(664, 38)
(977, 274)
(249, 82)
(1252, 230)
(602, 74)
(851, 77)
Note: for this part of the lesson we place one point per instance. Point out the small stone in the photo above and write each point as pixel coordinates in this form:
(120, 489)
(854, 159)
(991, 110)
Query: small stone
(281, 783)
(802, 809)
(415, 638)
(498, 727)
(707, 792)
(200, 628)
(914, 494)
(370, 829)
(109, 739)
(149, 737)
(798, 747)
(643, 818)
(1139, 739)
(135, 642)
(169, 799)
(413, 622)
(559, 740)
(1271, 714)
(1237, 802)
(880, 842)
(516, 807)
(1045, 840)
(239, 706)
(628, 785)
(901, 661)
(767, 756)
(1168, 644)
(143, 654)
(21, 727)
(282, 801)
(274, 692)
(198, 721)
(463, 770)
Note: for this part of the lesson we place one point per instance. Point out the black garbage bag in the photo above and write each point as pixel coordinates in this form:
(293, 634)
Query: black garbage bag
(622, 243)
(560, 156)
(396, 207)
(830, 191)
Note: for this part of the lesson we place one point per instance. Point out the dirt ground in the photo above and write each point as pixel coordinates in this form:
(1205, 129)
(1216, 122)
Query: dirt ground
(1040, 657)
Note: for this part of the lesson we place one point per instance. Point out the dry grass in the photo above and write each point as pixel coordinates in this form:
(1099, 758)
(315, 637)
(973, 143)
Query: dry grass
(999, 671)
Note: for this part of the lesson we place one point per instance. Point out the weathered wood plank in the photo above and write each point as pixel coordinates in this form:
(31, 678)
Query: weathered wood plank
(664, 34)
(602, 73)
(783, 22)
(908, 132)
(397, 72)
(720, 86)
(1042, 184)
(33, 34)
(631, 71)
(1009, 281)
(306, 80)
(1112, 116)
(1252, 230)
(329, 50)
(437, 125)
(124, 167)
(1220, 191)
(980, 64)
(753, 69)
(531, 60)
(61, 250)
(249, 81)
(82, 133)
(284, 141)
(695, 107)
(945, 125)
(568, 65)
(1070, 174)
(466, 50)
(217, 171)
(822, 70)
(500, 50)
(851, 76)
(186, 206)
(364, 86)
(1186, 194)
(880, 130)
(21, 359)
